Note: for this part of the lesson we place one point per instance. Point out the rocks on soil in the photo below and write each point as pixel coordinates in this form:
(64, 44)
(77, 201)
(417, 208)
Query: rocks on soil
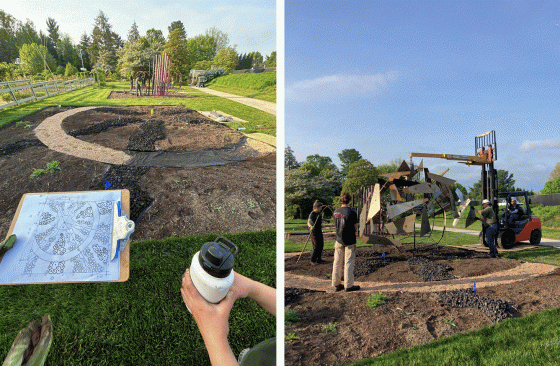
(104, 126)
(495, 310)
(291, 294)
(429, 270)
(17, 146)
(127, 177)
(145, 140)
(370, 265)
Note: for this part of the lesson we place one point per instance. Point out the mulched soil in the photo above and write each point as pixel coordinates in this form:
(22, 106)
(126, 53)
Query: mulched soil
(409, 317)
(165, 202)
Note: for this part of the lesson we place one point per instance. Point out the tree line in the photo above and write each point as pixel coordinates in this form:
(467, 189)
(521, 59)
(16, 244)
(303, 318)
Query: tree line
(318, 178)
(54, 53)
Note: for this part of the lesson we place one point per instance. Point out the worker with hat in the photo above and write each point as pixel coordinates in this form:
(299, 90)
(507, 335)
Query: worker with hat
(314, 223)
(515, 211)
(489, 226)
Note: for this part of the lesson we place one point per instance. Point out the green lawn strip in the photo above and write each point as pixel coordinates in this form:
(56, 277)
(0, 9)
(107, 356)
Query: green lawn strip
(530, 340)
(142, 321)
(258, 86)
(546, 255)
(258, 121)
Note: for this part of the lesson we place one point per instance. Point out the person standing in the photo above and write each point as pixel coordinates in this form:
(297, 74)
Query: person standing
(314, 223)
(489, 226)
(346, 221)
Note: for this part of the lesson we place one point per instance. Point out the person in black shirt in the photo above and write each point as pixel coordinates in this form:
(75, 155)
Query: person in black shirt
(346, 221)
(314, 223)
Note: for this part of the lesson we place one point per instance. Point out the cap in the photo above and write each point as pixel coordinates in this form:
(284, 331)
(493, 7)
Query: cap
(513, 199)
(485, 201)
(216, 257)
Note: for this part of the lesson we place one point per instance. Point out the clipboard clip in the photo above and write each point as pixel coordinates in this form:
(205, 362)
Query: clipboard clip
(122, 228)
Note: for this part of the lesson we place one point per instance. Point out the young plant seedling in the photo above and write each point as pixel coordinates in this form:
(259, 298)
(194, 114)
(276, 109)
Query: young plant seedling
(290, 316)
(291, 336)
(36, 173)
(331, 327)
(53, 166)
(449, 321)
(377, 299)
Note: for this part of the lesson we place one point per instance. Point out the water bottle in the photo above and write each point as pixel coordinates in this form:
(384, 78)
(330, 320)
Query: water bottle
(212, 269)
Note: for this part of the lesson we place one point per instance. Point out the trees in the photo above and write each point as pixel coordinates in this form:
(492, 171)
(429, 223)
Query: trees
(317, 163)
(8, 45)
(70, 70)
(270, 60)
(176, 49)
(505, 183)
(361, 173)
(36, 58)
(347, 157)
(205, 47)
(155, 36)
(82, 50)
(290, 161)
(302, 188)
(226, 59)
(555, 172)
(552, 186)
(177, 25)
(137, 57)
(104, 42)
(133, 34)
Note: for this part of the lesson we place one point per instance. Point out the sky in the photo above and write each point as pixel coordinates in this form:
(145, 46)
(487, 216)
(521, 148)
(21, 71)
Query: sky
(250, 24)
(388, 78)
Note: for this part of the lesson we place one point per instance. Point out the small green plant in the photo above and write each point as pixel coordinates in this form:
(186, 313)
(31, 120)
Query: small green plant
(36, 173)
(449, 321)
(377, 299)
(251, 204)
(331, 327)
(291, 336)
(176, 181)
(290, 316)
(53, 166)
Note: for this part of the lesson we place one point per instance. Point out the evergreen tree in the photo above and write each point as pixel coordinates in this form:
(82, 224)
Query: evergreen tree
(270, 60)
(290, 161)
(102, 50)
(176, 49)
(177, 25)
(133, 34)
(8, 43)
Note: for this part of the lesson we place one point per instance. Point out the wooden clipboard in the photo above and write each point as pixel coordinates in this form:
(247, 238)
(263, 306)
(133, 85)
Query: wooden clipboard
(124, 255)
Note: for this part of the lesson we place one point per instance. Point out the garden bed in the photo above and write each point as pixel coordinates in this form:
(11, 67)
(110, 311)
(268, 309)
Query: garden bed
(165, 201)
(430, 295)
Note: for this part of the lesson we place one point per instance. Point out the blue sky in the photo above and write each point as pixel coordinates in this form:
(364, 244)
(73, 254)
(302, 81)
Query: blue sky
(388, 78)
(250, 24)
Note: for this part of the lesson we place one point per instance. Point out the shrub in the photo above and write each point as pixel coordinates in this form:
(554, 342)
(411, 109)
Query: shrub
(71, 70)
(214, 73)
(53, 166)
(37, 172)
(290, 316)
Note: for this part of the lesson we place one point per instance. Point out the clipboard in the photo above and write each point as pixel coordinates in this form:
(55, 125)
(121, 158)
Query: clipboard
(66, 238)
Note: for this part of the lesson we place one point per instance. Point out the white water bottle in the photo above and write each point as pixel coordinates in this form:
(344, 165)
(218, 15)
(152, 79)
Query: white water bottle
(212, 269)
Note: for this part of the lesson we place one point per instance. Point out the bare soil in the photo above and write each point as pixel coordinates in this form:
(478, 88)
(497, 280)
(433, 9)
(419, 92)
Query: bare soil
(165, 202)
(417, 312)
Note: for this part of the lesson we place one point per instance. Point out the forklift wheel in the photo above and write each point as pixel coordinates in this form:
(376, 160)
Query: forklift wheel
(536, 236)
(506, 239)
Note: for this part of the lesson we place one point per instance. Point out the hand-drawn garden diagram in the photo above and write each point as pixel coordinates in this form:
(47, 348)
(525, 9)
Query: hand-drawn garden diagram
(65, 237)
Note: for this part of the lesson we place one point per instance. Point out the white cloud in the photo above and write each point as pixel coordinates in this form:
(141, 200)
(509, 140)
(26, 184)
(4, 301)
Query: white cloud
(339, 86)
(544, 145)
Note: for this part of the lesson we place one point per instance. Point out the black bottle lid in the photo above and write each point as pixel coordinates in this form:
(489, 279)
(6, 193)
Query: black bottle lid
(216, 257)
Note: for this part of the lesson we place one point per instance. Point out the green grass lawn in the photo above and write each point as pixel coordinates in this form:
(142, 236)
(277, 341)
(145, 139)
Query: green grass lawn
(142, 321)
(97, 96)
(259, 86)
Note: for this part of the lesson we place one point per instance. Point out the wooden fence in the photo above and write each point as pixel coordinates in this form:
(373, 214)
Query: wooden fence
(22, 91)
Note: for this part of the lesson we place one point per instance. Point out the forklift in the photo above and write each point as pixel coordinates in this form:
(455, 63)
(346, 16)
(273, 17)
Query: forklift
(509, 231)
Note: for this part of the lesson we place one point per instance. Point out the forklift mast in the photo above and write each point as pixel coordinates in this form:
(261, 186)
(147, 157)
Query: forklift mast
(485, 145)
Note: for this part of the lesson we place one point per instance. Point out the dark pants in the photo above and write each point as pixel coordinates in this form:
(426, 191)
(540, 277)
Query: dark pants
(490, 235)
(318, 244)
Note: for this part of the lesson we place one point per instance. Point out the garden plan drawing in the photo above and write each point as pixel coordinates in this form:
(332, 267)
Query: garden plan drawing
(63, 237)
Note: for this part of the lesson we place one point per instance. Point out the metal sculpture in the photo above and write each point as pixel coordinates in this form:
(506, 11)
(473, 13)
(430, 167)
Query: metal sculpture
(161, 69)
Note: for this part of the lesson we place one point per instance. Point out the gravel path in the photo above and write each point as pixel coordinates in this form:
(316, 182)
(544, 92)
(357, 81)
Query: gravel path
(522, 272)
(50, 133)
(263, 105)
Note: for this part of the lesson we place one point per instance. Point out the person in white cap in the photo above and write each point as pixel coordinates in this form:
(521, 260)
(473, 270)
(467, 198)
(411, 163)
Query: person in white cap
(489, 226)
